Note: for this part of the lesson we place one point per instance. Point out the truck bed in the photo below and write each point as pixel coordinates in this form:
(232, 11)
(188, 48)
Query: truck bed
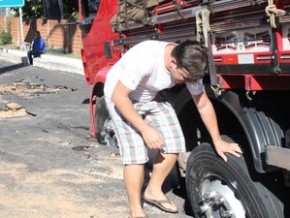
(244, 45)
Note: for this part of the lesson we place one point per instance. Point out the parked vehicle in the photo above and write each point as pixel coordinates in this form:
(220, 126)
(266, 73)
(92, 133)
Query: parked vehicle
(248, 83)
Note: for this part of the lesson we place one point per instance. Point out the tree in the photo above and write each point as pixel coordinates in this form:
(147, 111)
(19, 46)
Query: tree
(70, 6)
(31, 8)
(34, 8)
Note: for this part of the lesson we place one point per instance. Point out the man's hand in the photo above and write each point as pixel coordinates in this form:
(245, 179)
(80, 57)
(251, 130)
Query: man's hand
(222, 147)
(153, 139)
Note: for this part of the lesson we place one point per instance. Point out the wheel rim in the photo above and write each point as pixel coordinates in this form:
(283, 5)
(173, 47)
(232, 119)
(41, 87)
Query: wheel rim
(108, 134)
(220, 199)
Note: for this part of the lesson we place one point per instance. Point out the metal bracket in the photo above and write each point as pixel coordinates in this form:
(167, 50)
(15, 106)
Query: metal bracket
(277, 156)
(203, 35)
(248, 93)
(202, 26)
(216, 89)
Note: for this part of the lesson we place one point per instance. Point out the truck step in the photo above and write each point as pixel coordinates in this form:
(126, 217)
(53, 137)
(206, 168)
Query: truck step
(277, 156)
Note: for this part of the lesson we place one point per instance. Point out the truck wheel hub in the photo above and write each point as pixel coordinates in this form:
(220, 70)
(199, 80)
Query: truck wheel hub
(219, 200)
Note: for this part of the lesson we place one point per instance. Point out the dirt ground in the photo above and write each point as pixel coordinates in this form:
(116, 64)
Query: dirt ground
(50, 166)
(58, 192)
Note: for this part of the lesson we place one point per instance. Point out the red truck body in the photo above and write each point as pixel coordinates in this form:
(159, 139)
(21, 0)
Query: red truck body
(226, 51)
(94, 60)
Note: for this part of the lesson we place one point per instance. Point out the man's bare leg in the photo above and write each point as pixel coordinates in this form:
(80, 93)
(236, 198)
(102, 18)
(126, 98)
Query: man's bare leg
(134, 178)
(161, 169)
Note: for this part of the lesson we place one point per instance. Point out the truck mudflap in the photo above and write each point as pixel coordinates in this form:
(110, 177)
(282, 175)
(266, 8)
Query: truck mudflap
(277, 156)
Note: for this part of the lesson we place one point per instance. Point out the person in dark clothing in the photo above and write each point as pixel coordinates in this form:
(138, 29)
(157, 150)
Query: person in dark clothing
(38, 47)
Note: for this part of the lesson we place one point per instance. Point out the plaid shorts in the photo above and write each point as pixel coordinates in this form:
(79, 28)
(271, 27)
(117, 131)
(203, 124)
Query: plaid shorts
(159, 115)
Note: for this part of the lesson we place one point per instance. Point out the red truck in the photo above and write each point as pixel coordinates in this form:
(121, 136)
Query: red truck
(248, 83)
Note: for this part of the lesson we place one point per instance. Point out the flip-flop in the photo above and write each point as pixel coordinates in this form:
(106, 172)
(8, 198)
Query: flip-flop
(159, 204)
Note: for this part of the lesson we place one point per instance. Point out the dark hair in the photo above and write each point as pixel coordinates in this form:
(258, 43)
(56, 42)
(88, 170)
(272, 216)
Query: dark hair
(192, 56)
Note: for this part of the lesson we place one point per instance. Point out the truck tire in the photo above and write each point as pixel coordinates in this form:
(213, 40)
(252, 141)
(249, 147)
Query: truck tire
(225, 189)
(104, 127)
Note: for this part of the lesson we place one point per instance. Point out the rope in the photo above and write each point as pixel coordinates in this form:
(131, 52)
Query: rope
(272, 12)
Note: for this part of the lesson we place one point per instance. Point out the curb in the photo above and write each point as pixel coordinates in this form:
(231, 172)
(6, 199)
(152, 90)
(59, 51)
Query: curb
(50, 62)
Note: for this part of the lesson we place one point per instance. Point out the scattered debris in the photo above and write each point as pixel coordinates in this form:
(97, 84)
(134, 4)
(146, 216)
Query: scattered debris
(114, 154)
(26, 89)
(13, 113)
(14, 106)
(80, 148)
(8, 110)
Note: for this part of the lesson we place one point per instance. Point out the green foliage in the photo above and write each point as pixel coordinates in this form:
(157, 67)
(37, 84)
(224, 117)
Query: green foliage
(34, 8)
(5, 37)
(31, 8)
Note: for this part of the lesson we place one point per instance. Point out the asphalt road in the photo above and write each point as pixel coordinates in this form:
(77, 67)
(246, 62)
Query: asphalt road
(50, 166)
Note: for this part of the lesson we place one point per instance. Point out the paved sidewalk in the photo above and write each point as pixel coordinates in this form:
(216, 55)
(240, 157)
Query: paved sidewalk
(47, 61)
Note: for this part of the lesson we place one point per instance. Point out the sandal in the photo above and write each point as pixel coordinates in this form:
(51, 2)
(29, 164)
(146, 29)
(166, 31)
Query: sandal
(160, 204)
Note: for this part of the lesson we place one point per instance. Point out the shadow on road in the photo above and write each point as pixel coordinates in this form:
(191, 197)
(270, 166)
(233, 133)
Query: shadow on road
(11, 68)
(86, 101)
(174, 183)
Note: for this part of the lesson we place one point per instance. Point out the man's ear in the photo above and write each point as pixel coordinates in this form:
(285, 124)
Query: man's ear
(173, 62)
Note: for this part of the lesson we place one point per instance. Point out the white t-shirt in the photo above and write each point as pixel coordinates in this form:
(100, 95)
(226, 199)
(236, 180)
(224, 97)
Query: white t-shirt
(142, 70)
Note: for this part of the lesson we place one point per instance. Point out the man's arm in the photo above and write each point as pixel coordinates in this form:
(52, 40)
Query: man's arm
(151, 136)
(208, 117)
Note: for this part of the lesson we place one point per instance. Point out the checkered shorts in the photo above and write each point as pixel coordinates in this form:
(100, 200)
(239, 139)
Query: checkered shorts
(159, 115)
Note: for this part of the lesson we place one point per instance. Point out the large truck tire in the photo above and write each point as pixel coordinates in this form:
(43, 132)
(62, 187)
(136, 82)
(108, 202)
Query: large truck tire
(104, 127)
(225, 189)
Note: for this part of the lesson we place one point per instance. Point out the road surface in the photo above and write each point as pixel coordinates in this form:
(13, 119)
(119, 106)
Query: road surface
(50, 165)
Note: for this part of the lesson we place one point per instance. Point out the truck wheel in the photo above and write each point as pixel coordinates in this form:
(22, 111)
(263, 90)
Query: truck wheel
(224, 189)
(104, 126)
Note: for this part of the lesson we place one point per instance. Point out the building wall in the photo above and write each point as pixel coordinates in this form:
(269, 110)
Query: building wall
(57, 36)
